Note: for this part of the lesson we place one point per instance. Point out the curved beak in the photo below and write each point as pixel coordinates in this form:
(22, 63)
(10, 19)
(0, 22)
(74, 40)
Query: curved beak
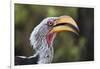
(65, 23)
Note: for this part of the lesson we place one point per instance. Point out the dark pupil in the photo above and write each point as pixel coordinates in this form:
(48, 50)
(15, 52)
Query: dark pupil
(50, 23)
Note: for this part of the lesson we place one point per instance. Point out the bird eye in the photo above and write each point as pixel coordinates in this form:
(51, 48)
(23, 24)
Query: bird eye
(50, 23)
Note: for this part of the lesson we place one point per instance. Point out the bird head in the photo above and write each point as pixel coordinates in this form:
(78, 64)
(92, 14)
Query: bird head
(50, 26)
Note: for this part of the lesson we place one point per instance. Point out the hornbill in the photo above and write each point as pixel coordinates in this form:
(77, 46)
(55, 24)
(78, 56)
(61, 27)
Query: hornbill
(42, 38)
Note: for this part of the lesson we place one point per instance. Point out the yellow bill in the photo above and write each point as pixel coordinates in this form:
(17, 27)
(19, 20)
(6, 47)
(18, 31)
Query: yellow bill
(65, 23)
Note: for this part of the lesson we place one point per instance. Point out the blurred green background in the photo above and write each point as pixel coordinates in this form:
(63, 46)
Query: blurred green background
(67, 46)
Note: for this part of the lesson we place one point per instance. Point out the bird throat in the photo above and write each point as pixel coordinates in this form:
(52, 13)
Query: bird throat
(50, 38)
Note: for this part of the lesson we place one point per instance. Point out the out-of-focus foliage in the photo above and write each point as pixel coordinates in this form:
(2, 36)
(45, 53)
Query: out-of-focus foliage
(67, 46)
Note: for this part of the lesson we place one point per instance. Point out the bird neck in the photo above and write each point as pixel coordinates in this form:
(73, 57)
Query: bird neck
(42, 47)
(44, 50)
